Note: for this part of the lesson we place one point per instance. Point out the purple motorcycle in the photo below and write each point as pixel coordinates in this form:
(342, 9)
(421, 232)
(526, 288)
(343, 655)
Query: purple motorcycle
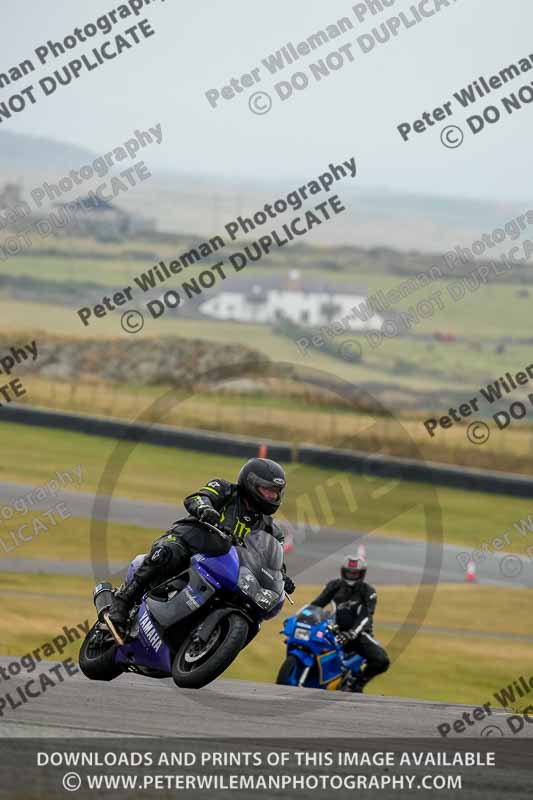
(193, 626)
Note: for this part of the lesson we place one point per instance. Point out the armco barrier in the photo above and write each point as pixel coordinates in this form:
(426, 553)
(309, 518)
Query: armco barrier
(474, 480)
(145, 433)
(350, 461)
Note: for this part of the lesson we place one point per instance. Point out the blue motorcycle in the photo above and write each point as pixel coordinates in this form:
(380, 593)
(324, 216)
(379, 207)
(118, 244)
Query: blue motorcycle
(193, 626)
(315, 658)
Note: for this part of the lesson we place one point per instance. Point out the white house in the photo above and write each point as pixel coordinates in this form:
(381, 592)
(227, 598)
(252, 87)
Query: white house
(305, 308)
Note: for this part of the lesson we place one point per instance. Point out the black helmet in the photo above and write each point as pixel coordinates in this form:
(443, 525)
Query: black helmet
(353, 569)
(262, 482)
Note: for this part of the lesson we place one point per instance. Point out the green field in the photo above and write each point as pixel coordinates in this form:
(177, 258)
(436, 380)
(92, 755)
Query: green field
(70, 539)
(314, 496)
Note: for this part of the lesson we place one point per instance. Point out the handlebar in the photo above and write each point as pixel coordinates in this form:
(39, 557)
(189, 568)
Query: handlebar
(224, 533)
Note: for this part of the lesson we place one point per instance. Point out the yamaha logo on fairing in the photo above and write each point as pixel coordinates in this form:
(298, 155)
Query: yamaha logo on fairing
(150, 632)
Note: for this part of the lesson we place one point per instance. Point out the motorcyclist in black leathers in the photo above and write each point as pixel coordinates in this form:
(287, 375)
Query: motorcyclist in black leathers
(242, 508)
(355, 600)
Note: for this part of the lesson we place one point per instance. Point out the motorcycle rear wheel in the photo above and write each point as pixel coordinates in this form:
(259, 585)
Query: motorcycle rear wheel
(290, 672)
(196, 665)
(97, 656)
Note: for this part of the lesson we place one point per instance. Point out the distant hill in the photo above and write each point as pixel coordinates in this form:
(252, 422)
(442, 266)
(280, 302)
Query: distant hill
(377, 217)
(22, 153)
(184, 203)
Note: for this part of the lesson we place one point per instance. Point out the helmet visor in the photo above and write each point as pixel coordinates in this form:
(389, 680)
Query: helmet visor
(271, 491)
(353, 570)
(270, 494)
(353, 574)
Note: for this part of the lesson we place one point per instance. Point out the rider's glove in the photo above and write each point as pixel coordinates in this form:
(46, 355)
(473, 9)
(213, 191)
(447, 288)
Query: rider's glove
(345, 636)
(210, 515)
(290, 586)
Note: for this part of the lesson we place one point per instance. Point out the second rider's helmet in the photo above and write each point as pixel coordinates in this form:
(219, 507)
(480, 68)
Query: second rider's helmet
(353, 569)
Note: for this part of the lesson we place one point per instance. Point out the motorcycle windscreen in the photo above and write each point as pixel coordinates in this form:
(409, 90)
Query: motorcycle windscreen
(313, 615)
(263, 555)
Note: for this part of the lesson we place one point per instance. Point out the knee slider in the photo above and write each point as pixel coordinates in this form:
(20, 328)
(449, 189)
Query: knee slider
(160, 555)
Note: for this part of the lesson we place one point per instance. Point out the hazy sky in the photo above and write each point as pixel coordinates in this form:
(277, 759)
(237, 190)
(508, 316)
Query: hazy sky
(355, 111)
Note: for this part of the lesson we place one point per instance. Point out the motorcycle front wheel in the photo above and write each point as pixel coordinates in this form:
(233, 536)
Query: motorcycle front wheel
(198, 663)
(290, 672)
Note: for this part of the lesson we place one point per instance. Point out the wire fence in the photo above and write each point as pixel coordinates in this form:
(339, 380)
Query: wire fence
(300, 419)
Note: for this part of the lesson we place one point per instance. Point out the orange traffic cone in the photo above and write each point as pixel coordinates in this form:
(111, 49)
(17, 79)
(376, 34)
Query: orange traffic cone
(288, 547)
(263, 449)
(471, 572)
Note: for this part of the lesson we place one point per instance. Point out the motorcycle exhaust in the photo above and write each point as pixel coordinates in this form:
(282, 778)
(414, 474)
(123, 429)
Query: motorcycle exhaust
(102, 599)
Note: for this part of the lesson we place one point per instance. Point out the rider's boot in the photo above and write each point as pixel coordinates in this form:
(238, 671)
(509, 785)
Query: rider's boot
(358, 685)
(162, 563)
(352, 683)
(123, 601)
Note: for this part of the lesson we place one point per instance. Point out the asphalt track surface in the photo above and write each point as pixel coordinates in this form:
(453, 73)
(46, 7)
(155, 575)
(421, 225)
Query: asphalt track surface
(232, 716)
(393, 561)
(133, 705)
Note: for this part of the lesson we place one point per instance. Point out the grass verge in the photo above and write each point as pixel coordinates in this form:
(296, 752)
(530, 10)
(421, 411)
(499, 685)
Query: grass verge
(321, 497)
(453, 667)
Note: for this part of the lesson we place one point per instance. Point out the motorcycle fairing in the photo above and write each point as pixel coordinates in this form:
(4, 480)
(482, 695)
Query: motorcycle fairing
(225, 568)
(289, 625)
(354, 663)
(329, 666)
(305, 656)
(207, 575)
(196, 594)
(147, 649)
